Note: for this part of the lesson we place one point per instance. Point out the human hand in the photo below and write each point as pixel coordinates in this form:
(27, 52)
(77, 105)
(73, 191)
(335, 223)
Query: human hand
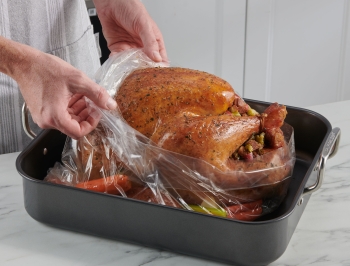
(126, 24)
(54, 93)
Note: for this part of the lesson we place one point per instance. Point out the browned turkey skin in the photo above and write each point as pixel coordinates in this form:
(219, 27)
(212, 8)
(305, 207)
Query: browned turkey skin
(186, 111)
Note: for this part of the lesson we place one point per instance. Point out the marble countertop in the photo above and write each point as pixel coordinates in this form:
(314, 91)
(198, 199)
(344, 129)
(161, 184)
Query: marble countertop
(322, 236)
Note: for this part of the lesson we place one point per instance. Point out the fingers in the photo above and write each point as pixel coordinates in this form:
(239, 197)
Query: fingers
(127, 24)
(77, 126)
(86, 87)
(73, 125)
(161, 44)
(75, 120)
(74, 99)
(82, 121)
(153, 45)
(76, 104)
(55, 94)
(152, 39)
(164, 55)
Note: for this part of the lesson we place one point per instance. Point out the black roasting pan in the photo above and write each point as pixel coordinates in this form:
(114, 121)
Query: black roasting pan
(234, 242)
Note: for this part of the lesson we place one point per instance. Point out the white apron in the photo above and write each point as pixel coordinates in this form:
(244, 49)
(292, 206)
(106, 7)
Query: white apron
(58, 27)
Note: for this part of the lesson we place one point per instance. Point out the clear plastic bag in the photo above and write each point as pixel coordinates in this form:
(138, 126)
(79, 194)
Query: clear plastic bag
(117, 159)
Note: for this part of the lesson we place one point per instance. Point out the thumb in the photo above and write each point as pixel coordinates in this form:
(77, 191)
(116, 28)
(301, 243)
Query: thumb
(98, 95)
(150, 43)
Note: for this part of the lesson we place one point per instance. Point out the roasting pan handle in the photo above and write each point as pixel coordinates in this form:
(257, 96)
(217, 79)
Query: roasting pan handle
(25, 122)
(329, 150)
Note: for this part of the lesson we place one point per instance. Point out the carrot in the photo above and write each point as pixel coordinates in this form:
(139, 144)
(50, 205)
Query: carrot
(107, 185)
(241, 207)
(250, 215)
(245, 211)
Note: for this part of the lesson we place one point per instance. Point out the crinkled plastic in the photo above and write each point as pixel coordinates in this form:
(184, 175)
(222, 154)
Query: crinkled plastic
(117, 159)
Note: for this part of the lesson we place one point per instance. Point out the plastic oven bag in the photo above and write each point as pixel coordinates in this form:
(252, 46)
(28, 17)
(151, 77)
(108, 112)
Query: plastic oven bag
(174, 161)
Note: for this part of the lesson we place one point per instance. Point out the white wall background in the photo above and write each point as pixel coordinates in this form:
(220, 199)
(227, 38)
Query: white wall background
(295, 52)
(206, 35)
(298, 51)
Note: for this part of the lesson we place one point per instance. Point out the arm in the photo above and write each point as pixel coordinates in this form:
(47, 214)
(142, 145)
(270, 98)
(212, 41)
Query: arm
(53, 89)
(126, 24)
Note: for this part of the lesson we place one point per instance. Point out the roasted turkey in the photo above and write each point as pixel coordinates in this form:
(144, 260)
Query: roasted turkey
(187, 112)
(199, 115)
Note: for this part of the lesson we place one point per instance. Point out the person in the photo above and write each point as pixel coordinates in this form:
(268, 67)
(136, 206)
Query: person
(48, 51)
